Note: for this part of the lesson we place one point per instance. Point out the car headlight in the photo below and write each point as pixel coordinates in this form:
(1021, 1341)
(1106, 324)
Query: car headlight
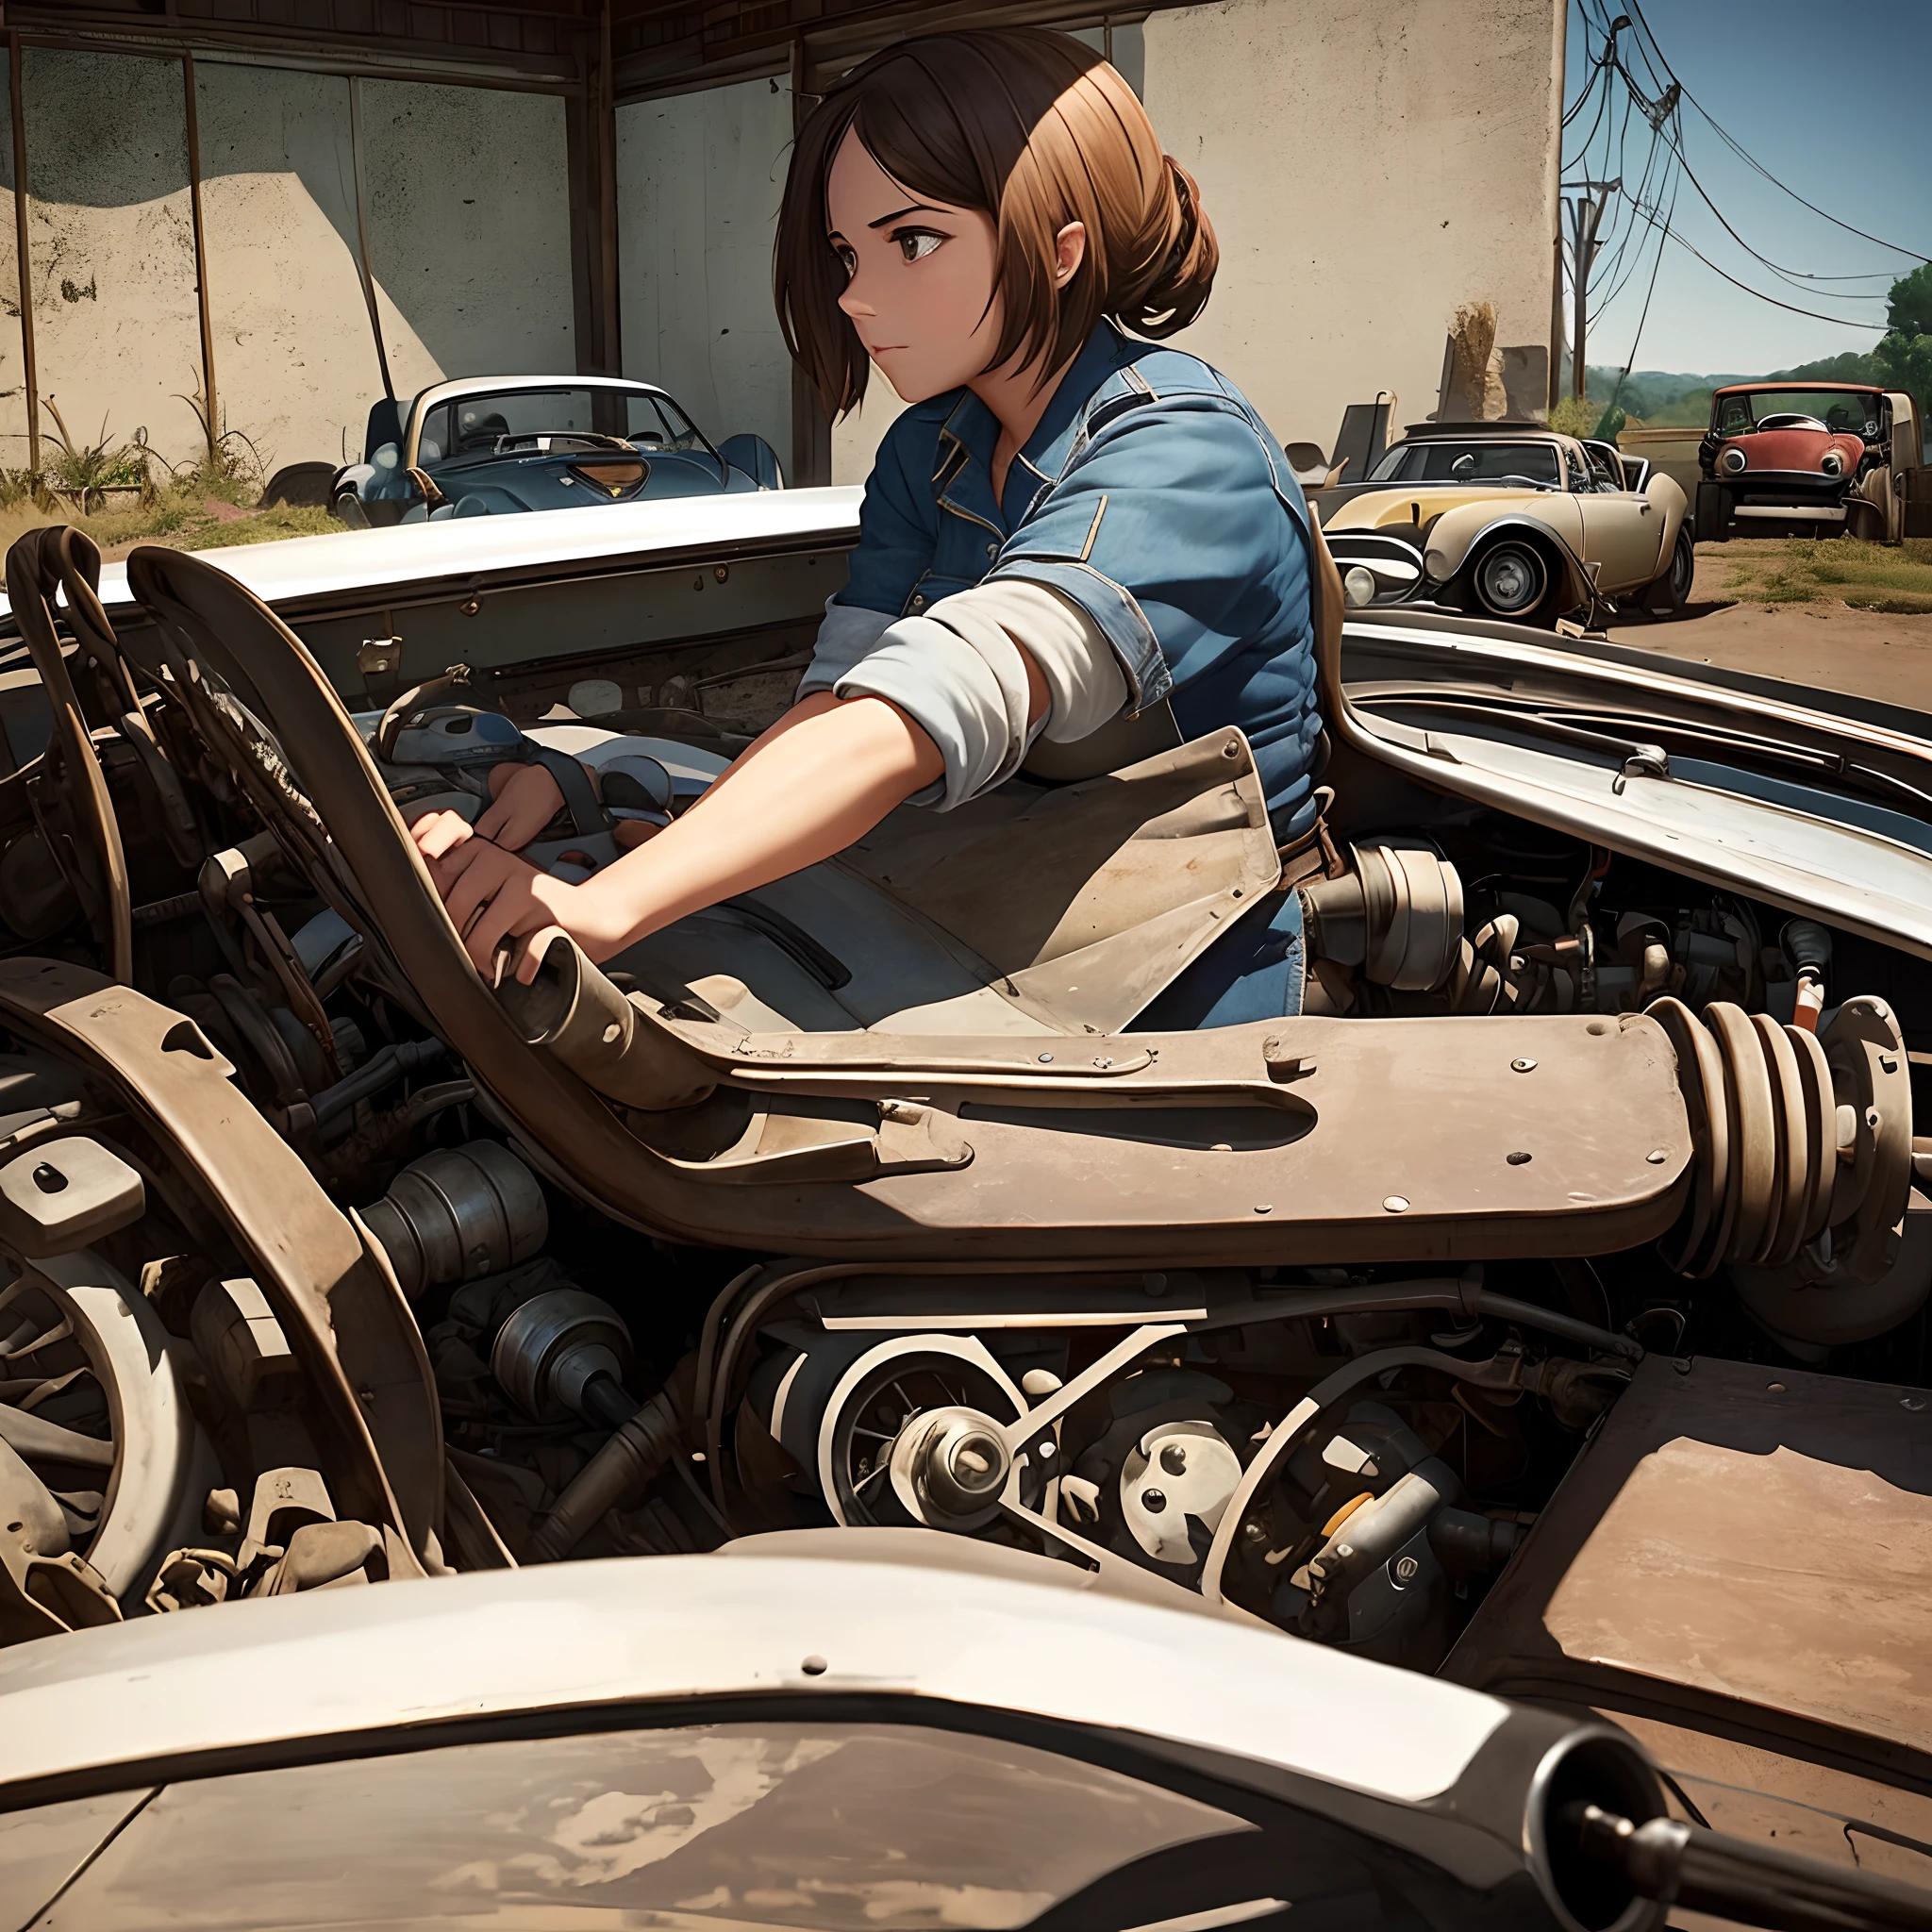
(1832, 463)
(1732, 460)
(1359, 585)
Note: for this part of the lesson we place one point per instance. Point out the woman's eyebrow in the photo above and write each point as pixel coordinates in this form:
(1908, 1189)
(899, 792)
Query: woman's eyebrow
(918, 207)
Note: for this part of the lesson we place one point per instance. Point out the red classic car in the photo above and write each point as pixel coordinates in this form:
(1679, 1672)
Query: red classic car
(1801, 458)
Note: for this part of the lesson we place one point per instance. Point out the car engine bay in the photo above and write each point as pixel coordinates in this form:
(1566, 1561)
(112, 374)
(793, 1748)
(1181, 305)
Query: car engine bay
(302, 1294)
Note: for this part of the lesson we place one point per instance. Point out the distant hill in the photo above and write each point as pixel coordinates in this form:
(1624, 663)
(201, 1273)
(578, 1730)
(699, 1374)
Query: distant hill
(1660, 398)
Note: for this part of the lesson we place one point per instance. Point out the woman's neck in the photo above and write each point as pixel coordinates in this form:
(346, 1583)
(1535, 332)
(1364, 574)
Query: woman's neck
(1012, 396)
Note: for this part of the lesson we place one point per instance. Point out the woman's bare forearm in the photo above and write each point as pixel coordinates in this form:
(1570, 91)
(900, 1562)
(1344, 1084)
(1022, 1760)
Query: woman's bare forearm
(818, 781)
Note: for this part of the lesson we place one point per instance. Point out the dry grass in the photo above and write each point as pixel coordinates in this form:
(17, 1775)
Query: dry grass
(1800, 570)
(198, 513)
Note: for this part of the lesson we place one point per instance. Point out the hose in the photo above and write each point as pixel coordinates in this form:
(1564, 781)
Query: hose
(630, 1460)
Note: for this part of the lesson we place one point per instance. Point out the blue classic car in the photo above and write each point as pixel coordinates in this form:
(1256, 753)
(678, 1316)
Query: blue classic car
(488, 444)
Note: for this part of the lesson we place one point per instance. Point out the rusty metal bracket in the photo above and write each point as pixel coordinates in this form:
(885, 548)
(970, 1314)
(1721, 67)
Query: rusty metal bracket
(345, 1320)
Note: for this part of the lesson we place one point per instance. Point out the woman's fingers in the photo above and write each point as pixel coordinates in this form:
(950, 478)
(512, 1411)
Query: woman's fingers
(529, 800)
(437, 833)
(529, 955)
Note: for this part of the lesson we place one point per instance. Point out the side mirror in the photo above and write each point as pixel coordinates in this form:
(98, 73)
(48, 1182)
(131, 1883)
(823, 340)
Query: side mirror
(756, 458)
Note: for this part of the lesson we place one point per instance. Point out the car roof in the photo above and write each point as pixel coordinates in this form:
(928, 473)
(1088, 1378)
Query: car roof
(472, 549)
(1745, 389)
(468, 385)
(861, 1612)
(1415, 432)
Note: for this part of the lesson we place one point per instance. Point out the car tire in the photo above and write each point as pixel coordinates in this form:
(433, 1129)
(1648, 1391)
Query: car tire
(1670, 592)
(1513, 581)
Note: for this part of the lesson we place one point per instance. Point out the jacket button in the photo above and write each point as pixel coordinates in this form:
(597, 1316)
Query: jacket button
(993, 549)
(919, 602)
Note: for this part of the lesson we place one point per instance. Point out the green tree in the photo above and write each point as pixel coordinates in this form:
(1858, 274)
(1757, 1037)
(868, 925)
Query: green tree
(1904, 351)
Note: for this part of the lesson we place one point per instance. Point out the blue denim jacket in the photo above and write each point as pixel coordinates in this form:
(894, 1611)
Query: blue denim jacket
(1152, 495)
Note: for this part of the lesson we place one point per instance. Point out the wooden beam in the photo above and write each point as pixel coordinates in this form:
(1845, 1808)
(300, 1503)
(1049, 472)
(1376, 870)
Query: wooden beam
(212, 408)
(27, 280)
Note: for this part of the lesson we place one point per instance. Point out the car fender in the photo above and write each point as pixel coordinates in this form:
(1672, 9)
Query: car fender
(1665, 495)
(1458, 533)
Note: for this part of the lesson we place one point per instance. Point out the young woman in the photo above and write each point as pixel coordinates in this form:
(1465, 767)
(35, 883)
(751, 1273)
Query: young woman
(1072, 535)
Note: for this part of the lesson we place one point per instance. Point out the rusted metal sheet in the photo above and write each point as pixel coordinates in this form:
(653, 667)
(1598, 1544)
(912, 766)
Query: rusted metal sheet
(347, 1321)
(1741, 1550)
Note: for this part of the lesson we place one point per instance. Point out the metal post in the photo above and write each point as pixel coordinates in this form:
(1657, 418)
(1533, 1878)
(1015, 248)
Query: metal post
(212, 422)
(610, 321)
(1586, 217)
(27, 282)
(1554, 384)
(811, 434)
(388, 388)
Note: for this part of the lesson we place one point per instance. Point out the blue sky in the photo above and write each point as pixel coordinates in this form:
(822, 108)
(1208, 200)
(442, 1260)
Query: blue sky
(1835, 100)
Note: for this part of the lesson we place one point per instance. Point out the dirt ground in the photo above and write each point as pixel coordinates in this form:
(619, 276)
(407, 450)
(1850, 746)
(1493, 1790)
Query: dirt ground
(1876, 654)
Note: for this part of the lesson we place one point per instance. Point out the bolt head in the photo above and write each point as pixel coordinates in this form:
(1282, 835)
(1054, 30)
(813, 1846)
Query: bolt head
(1153, 1501)
(1522, 1066)
(1395, 1204)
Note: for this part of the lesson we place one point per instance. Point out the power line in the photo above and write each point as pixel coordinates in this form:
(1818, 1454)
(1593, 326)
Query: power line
(1842, 321)
(1630, 361)
(1915, 254)
(1794, 275)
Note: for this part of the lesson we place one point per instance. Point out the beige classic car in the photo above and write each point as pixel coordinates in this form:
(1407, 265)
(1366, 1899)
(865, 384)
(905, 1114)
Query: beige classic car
(1510, 521)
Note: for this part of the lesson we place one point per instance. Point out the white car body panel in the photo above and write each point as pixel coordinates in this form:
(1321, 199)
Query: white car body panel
(1012, 1635)
(409, 555)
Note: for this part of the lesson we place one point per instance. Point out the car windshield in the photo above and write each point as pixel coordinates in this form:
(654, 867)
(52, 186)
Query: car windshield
(488, 422)
(1848, 410)
(1453, 462)
(819, 1826)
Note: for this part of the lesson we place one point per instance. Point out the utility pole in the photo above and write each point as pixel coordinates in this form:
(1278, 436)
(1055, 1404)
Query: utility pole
(1586, 218)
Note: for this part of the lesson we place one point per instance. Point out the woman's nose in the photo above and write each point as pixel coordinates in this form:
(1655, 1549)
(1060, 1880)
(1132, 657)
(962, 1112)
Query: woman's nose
(853, 302)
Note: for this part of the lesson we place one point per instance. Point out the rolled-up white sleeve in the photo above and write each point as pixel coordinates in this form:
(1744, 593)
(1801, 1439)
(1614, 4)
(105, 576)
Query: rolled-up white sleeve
(955, 671)
(844, 637)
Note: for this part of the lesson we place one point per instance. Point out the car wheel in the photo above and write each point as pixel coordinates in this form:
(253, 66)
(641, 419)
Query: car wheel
(1512, 579)
(1670, 592)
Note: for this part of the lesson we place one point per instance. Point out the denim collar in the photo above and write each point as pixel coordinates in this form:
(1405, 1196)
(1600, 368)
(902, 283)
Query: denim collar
(973, 429)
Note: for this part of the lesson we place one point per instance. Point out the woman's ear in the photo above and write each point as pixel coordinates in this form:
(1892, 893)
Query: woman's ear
(1070, 251)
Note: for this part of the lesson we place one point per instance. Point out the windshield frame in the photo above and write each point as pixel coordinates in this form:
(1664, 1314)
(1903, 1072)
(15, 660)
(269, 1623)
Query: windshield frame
(443, 395)
(1477, 442)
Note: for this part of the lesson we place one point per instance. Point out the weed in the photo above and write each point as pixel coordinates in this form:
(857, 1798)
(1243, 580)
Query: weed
(85, 471)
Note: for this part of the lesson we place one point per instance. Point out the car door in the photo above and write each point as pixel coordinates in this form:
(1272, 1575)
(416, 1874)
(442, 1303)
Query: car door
(1620, 529)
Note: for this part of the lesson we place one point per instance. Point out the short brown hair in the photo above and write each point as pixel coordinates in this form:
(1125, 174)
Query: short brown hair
(1034, 130)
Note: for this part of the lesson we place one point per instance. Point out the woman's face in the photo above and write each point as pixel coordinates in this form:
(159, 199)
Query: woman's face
(920, 277)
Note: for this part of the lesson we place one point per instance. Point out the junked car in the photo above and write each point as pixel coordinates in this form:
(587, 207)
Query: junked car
(1509, 520)
(1806, 459)
(1451, 1324)
(486, 445)
(826, 1734)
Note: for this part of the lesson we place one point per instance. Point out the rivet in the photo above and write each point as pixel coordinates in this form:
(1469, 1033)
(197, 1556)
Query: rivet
(1774, 1388)
(1657, 1156)
(1517, 1159)
(1522, 1066)
(1222, 1147)
(722, 572)
(1153, 1501)
(612, 1034)
(1395, 1204)
(470, 605)
(814, 1667)
(1264, 1207)
(1254, 1533)
(1230, 750)
(1046, 1059)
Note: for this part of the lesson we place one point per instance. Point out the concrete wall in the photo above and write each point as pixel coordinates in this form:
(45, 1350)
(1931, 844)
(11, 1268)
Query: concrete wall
(699, 177)
(467, 196)
(110, 247)
(294, 363)
(13, 444)
(1367, 169)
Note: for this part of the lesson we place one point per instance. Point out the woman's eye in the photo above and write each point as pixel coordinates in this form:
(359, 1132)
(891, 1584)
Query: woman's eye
(848, 259)
(915, 244)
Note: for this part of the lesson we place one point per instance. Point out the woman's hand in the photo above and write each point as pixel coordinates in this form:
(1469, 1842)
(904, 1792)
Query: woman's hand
(492, 896)
(525, 799)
